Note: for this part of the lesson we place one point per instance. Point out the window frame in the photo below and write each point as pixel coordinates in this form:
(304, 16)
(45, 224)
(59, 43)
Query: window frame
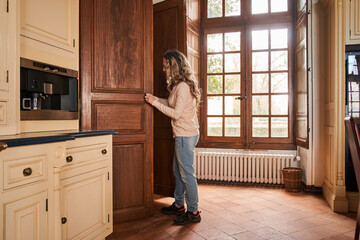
(244, 23)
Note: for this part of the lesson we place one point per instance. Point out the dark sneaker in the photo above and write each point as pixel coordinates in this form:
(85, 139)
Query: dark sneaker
(173, 210)
(187, 218)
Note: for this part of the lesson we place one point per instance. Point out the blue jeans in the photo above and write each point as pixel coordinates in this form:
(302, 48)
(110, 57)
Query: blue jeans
(183, 166)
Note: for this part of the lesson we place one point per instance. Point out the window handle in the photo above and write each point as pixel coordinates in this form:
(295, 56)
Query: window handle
(241, 98)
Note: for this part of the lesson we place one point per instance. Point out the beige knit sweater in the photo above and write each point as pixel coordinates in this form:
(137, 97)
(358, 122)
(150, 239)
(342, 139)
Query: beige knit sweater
(181, 108)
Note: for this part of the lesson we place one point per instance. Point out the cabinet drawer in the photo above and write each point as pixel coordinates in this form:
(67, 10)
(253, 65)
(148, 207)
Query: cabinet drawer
(87, 154)
(24, 171)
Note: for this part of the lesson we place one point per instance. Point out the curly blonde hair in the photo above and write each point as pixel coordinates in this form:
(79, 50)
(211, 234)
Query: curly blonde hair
(178, 70)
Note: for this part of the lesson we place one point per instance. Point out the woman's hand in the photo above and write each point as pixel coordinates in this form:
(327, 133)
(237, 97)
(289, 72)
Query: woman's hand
(149, 98)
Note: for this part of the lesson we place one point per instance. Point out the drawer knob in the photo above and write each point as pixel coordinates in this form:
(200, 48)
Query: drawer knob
(104, 151)
(27, 172)
(69, 158)
(63, 220)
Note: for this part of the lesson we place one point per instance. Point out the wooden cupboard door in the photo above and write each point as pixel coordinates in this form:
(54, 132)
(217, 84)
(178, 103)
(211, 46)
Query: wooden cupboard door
(26, 219)
(169, 33)
(86, 205)
(49, 31)
(116, 72)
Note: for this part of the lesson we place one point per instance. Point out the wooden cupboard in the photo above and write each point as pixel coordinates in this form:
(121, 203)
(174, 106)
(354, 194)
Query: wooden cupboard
(49, 31)
(176, 26)
(352, 22)
(116, 72)
(59, 190)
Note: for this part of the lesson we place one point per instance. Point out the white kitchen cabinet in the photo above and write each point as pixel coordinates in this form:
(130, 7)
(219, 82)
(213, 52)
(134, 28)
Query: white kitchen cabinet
(60, 190)
(49, 32)
(27, 218)
(9, 69)
(352, 22)
(86, 194)
(26, 188)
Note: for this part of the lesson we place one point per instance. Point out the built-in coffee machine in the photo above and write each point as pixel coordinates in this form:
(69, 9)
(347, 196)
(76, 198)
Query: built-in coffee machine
(47, 91)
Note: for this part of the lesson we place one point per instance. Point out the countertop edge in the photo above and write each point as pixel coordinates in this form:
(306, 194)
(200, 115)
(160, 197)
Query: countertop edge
(52, 137)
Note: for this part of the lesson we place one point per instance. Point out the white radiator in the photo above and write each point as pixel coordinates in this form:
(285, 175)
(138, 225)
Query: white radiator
(241, 166)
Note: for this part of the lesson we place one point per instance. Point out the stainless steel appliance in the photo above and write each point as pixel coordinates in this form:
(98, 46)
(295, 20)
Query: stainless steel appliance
(47, 91)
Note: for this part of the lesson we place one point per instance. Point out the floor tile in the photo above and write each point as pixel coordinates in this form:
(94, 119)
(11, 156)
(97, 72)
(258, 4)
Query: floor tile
(245, 212)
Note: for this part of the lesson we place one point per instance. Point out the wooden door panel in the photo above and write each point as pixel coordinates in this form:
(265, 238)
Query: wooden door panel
(169, 33)
(129, 173)
(122, 117)
(115, 73)
(119, 52)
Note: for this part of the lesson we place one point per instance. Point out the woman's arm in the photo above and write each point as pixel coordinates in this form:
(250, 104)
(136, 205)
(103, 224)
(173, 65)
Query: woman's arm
(182, 94)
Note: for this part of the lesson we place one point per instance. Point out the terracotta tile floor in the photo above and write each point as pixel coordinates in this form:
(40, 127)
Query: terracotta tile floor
(240, 212)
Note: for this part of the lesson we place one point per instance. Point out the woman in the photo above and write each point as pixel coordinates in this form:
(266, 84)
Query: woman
(181, 107)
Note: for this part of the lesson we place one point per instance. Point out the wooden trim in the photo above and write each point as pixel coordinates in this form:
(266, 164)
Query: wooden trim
(48, 115)
(48, 68)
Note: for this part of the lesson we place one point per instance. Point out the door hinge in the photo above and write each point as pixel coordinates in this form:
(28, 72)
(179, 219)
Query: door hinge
(108, 176)
(47, 204)
(7, 6)
(309, 129)
(73, 42)
(108, 217)
(309, 11)
(7, 76)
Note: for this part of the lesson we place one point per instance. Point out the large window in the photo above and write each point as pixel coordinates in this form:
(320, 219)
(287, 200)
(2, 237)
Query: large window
(248, 74)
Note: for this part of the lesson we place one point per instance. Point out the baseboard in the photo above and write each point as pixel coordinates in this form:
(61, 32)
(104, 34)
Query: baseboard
(311, 189)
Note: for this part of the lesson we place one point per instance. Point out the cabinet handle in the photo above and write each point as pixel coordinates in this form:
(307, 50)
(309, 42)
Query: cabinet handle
(3, 146)
(104, 151)
(69, 158)
(27, 172)
(63, 220)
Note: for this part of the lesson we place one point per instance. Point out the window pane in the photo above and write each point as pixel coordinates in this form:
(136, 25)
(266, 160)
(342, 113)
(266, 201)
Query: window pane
(232, 7)
(214, 8)
(260, 105)
(215, 63)
(279, 82)
(354, 107)
(214, 42)
(214, 125)
(214, 105)
(232, 62)
(232, 106)
(279, 60)
(232, 41)
(260, 39)
(260, 61)
(259, 6)
(354, 86)
(232, 127)
(215, 84)
(279, 105)
(260, 83)
(232, 84)
(279, 6)
(354, 96)
(279, 38)
(260, 127)
(279, 127)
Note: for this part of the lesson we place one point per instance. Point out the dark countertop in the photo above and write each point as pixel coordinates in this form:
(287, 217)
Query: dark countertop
(49, 137)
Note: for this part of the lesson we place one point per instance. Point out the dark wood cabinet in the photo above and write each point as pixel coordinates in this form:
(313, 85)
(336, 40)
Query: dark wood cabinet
(176, 26)
(115, 72)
